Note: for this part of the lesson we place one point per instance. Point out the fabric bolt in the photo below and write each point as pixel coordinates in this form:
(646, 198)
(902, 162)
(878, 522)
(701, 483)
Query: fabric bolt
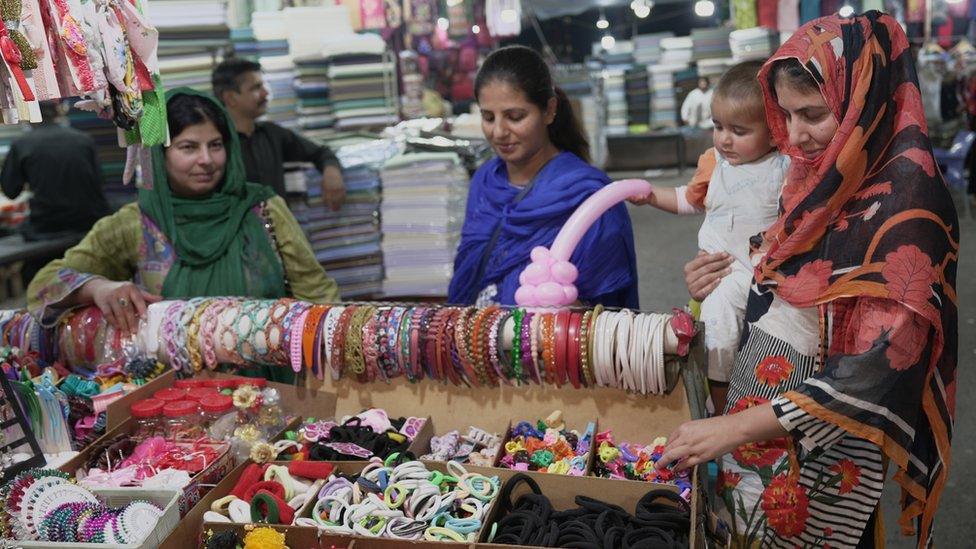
(745, 15)
(879, 376)
(59, 165)
(605, 256)
(45, 75)
(788, 15)
(809, 10)
(766, 13)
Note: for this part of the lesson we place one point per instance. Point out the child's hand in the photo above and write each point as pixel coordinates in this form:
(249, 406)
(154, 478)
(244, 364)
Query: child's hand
(642, 200)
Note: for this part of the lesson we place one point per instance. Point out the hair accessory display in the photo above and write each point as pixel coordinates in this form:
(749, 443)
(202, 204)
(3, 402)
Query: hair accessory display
(548, 447)
(635, 462)
(661, 519)
(360, 437)
(478, 447)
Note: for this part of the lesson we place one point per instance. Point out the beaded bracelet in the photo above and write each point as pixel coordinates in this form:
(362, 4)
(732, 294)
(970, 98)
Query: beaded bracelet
(339, 341)
(353, 353)
(498, 370)
(371, 348)
(583, 349)
(591, 338)
(403, 343)
(518, 316)
(462, 330)
(548, 341)
(208, 331)
(328, 336)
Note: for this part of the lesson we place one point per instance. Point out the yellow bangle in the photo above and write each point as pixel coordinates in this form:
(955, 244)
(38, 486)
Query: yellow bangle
(193, 336)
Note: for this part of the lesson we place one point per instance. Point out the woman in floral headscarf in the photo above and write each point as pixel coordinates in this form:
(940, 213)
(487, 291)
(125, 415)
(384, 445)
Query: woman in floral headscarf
(849, 352)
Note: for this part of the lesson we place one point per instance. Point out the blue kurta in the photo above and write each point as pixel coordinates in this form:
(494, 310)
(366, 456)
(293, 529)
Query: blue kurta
(605, 256)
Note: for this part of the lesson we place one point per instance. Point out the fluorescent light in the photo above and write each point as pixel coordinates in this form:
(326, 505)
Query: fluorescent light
(845, 11)
(443, 23)
(704, 8)
(642, 11)
(509, 15)
(608, 42)
(475, 29)
(602, 22)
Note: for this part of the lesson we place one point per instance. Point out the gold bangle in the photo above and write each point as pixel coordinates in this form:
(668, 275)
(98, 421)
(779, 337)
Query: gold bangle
(193, 336)
(353, 351)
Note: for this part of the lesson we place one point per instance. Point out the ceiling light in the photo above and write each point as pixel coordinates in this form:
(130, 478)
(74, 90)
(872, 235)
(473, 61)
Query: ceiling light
(608, 42)
(704, 8)
(475, 29)
(845, 11)
(602, 22)
(443, 23)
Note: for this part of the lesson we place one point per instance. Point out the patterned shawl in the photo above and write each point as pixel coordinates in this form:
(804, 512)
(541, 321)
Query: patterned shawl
(872, 218)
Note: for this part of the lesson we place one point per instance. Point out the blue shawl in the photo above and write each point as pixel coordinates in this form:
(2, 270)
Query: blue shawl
(605, 256)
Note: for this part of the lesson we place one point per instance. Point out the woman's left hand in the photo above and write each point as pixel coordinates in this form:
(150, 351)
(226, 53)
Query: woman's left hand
(700, 441)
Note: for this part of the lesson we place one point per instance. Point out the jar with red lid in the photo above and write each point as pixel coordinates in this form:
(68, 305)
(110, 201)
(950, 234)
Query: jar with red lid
(188, 383)
(182, 421)
(220, 384)
(198, 394)
(170, 394)
(148, 417)
(219, 416)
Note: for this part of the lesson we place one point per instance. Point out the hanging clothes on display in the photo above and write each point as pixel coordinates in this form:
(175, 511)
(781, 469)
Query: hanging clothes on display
(744, 13)
(372, 13)
(460, 17)
(420, 20)
(788, 15)
(766, 13)
(809, 10)
(915, 11)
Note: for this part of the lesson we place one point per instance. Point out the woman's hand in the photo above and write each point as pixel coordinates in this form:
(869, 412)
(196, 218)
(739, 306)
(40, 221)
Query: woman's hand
(703, 274)
(122, 303)
(700, 441)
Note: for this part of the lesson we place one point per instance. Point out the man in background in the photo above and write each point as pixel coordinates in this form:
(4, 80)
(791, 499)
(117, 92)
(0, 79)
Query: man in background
(238, 83)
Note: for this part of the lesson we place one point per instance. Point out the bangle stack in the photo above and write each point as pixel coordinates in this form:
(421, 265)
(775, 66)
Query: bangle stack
(464, 346)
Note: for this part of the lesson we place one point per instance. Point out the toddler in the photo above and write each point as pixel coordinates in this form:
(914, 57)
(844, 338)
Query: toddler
(737, 185)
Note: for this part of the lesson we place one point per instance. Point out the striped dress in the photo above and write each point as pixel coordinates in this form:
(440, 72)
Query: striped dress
(827, 500)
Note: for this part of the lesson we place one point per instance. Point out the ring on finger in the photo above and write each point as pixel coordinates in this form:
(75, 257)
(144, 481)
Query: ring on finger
(123, 301)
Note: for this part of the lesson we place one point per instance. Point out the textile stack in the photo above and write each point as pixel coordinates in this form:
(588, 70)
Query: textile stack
(638, 99)
(664, 106)
(756, 43)
(647, 48)
(314, 109)
(347, 242)
(271, 48)
(710, 43)
(187, 53)
(362, 82)
(677, 50)
(615, 92)
(424, 196)
(583, 84)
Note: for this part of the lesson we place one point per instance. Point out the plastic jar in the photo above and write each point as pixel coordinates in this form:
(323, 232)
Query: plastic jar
(170, 394)
(200, 393)
(182, 420)
(214, 408)
(187, 383)
(148, 417)
(220, 384)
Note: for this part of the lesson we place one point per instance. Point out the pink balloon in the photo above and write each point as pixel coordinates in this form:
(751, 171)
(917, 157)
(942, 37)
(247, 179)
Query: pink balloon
(539, 254)
(570, 293)
(564, 272)
(535, 274)
(550, 293)
(591, 210)
(526, 297)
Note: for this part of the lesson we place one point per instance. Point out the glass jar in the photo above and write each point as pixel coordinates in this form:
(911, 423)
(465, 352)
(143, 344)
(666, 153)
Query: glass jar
(182, 421)
(148, 417)
(170, 394)
(218, 416)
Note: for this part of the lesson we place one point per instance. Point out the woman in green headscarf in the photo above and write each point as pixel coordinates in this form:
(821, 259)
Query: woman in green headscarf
(198, 229)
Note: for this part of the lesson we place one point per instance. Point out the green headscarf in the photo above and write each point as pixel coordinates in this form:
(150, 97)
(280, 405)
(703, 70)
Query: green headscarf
(209, 234)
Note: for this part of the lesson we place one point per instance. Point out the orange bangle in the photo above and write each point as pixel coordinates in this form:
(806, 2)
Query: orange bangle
(477, 343)
(549, 346)
(462, 340)
(310, 332)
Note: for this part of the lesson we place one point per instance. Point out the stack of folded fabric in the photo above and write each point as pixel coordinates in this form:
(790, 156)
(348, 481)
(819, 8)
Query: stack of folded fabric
(664, 105)
(615, 94)
(362, 85)
(647, 47)
(271, 48)
(581, 82)
(424, 196)
(638, 99)
(347, 242)
(710, 43)
(314, 109)
(677, 50)
(187, 51)
(756, 43)
(713, 68)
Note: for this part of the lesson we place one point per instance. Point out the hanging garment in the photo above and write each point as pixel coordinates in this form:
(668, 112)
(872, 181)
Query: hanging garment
(745, 15)
(809, 10)
(421, 21)
(766, 13)
(788, 15)
(45, 75)
(915, 11)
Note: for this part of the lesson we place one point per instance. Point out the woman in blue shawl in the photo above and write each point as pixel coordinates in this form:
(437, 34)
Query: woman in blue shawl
(521, 198)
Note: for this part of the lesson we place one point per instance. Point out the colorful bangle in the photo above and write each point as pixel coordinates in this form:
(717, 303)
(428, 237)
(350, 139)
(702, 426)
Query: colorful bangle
(295, 341)
(584, 359)
(339, 363)
(354, 339)
(311, 337)
(501, 365)
(194, 346)
(573, 349)
(548, 341)
(462, 331)
(562, 346)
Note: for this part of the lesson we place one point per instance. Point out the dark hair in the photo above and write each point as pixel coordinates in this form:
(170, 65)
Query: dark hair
(740, 87)
(795, 74)
(524, 69)
(227, 75)
(50, 110)
(185, 110)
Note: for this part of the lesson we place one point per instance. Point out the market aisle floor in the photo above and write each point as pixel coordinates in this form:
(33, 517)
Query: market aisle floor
(666, 242)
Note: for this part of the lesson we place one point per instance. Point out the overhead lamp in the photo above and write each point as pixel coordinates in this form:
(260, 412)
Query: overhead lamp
(704, 8)
(845, 11)
(642, 11)
(608, 42)
(475, 29)
(602, 22)
(443, 23)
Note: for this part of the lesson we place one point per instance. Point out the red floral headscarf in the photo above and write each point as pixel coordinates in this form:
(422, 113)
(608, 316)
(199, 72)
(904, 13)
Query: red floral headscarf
(872, 218)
